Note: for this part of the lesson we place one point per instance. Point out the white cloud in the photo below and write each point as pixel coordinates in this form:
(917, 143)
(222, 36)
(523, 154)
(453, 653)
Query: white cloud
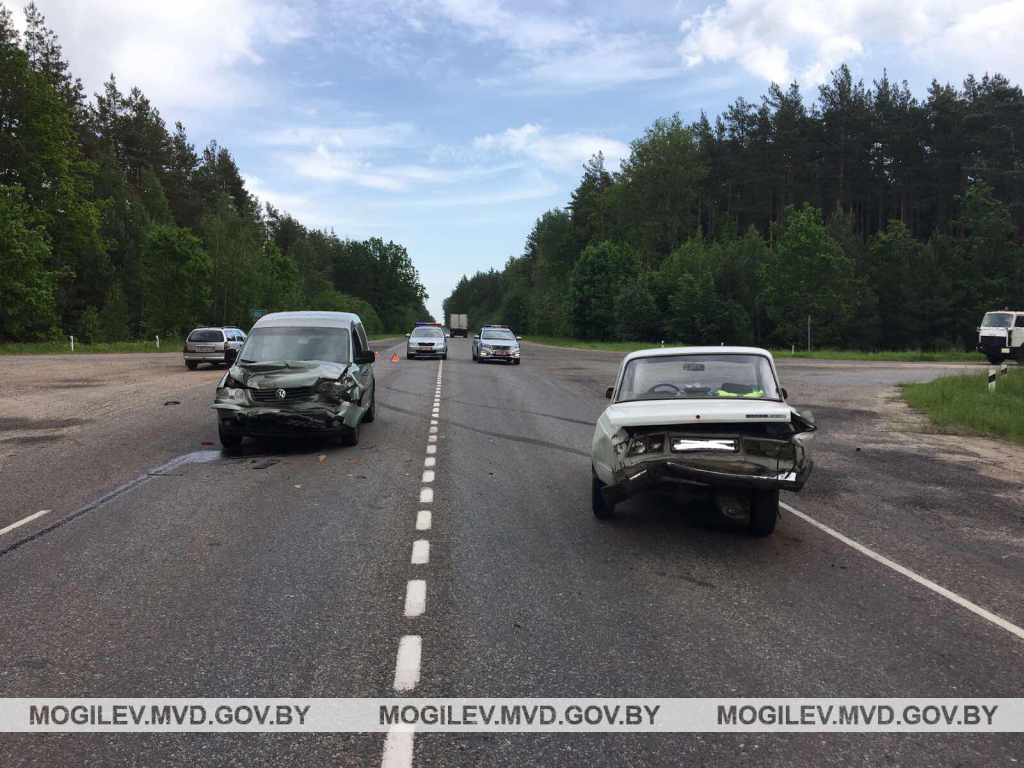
(327, 164)
(805, 39)
(560, 152)
(187, 53)
(282, 200)
(348, 137)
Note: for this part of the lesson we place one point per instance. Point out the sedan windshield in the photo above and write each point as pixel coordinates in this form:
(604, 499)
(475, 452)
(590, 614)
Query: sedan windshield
(427, 333)
(673, 377)
(997, 320)
(308, 344)
(501, 335)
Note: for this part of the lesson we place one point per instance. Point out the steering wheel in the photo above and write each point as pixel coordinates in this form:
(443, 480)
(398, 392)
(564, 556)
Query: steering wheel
(653, 390)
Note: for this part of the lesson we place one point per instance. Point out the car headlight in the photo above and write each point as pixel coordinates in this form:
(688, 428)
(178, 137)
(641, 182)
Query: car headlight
(645, 444)
(337, 390)
(231, 394)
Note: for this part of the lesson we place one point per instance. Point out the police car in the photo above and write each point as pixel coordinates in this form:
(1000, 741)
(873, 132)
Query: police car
(496, 342)
(426, 340)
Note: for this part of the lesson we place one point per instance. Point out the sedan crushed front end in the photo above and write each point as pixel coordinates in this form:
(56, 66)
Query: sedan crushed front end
(702, 424)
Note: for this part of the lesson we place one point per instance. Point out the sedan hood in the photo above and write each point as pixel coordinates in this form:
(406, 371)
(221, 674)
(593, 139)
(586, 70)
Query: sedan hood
(285, 373)
(650, 413)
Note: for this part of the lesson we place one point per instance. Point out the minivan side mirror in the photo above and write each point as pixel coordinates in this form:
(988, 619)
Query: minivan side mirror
(609, 392)
(365, 357)
(408, 335)
(519, 338)
(785, 393)
(476, 335)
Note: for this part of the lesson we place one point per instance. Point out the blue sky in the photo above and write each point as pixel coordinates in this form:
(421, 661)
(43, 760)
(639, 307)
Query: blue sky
(451, 125)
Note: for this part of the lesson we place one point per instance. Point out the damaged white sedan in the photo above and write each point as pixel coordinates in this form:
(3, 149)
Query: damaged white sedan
(702, 422)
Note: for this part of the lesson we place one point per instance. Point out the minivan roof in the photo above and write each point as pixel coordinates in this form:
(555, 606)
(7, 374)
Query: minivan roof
(309, 319)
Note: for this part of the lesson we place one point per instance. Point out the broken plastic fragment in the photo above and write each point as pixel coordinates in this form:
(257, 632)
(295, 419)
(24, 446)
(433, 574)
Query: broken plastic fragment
(298, 486)
(321, 457)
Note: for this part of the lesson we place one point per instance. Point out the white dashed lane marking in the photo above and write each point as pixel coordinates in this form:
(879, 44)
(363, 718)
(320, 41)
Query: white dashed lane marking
(428, 476)
(415, 598)
(420, 552)
(429, 461)
(426, 495)
(1013, 629)
(407, 668)
(423, 520)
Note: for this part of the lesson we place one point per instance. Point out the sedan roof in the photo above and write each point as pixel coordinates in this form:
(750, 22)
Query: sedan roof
(668, 351)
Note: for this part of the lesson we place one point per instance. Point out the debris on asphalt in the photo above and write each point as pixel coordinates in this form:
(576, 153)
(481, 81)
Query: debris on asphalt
(321, 457)
(173, 402)
(264, 464)
(206, 442)
(298, 486)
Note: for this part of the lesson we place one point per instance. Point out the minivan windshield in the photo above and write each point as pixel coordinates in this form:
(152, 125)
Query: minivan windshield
(673, 377)
(997, 320)
(269, 344)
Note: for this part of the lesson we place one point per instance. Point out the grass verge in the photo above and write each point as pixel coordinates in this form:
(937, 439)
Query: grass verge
(964, 402)
(910, 355)
(63, 348)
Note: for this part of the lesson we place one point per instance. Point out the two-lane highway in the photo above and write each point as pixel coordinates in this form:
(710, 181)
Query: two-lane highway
(272, 573)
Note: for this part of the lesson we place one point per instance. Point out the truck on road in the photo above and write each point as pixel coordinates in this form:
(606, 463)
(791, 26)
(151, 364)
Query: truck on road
(459, 325)
(1001, 335)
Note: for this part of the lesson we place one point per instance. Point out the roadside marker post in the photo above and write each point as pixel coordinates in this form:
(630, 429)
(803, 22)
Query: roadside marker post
(1002, 369)
(991, 379)
(158, 342)
(72, 340)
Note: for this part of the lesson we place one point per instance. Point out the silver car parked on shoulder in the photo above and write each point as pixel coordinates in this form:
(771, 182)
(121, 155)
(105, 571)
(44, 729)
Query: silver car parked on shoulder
(216, 346)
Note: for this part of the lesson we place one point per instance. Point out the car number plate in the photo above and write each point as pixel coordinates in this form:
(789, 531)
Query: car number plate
(204, 349)
(500, 352)
(426, 349)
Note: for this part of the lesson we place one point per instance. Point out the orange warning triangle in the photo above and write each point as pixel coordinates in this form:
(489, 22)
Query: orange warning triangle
(394, 358)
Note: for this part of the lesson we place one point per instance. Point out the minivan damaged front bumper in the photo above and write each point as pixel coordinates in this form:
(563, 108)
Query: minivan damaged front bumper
(256, 421)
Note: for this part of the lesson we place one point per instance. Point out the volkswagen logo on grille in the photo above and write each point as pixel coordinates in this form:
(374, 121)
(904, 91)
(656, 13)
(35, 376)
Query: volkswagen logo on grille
(281, 394)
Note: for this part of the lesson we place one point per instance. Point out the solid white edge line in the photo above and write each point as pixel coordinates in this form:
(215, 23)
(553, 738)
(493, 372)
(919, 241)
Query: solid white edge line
(415, 598)
(420, 552)
(423, 520)
(398, 747)
(407, 665)
(24, 520)
(1013, 629)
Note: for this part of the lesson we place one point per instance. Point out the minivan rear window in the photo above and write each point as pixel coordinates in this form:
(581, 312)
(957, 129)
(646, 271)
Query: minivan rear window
(206, 335)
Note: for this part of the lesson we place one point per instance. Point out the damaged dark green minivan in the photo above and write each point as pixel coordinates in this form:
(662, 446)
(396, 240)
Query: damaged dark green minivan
(299, 373)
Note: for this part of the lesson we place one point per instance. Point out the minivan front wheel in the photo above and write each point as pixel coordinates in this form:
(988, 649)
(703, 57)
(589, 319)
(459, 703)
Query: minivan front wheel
(371, 412)
(227, 439)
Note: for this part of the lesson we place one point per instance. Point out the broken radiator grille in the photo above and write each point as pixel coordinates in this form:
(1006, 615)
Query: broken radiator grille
(290, 395)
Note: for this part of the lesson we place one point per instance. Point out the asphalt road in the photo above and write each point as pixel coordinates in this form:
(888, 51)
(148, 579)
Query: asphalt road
(165, 568)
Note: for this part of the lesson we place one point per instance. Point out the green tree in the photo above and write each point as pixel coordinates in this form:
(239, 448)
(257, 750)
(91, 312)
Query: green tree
(28, 309)
(177, 275)
(88, 329)
(115, 316)
(596, 281)
(807, 273)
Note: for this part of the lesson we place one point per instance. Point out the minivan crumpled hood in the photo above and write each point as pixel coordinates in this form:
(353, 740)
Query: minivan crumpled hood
(285, 374)
(737, 410)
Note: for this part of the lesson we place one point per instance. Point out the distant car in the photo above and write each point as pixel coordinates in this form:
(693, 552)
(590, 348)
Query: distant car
(216, 346)
(496, 342)
(299, 373)
(702, 422)
(426, 340)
